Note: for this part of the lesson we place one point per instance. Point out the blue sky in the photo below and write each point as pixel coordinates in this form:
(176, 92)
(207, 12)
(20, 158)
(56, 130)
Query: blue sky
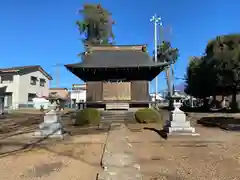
(44, 32)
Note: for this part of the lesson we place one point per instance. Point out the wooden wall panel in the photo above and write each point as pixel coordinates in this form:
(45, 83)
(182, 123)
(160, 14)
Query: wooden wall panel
(135, 90)
(94, 91)
(140, 90)
(116, 91)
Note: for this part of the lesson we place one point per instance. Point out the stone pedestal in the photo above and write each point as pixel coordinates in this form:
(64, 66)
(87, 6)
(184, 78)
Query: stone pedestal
(52, 125)
(178, 124)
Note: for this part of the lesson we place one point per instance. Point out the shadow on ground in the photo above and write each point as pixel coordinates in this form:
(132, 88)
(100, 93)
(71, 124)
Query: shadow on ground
(226, 123)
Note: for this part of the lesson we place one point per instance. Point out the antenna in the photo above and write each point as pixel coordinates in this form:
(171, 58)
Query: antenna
(57, 74)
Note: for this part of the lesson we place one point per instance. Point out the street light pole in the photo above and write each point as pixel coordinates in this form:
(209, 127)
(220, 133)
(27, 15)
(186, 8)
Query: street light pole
(156, 20)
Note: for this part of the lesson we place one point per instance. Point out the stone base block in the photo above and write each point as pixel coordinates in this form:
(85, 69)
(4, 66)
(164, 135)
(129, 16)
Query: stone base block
(190, 131)
(39, 134)
(50, 129)
(179, 124)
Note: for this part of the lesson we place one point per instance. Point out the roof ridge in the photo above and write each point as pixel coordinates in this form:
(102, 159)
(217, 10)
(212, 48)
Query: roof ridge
(112, 45)
(20, 67)
(115, 47)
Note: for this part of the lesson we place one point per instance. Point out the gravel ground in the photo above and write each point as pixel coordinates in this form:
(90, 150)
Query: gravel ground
(214, 155)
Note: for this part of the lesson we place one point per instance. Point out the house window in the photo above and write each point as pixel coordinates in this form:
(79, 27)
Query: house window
(31, 96)
(42, 82)
(33, 80)
(5, 79)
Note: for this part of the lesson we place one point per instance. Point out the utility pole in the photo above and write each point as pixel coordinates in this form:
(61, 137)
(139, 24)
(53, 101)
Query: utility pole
(57, 74)
(157, 21)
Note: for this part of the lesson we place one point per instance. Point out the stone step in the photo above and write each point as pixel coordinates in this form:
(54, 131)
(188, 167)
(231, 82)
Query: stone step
(116, 116)
(117, 106)
(115, 120)
(118, 113)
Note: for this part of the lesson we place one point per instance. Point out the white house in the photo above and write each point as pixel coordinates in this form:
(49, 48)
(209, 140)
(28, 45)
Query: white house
(23, 84)
(78, 94)
(157, 97)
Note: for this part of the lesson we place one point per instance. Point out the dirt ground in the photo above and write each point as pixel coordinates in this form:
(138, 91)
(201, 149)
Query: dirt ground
(77, 157)
(215, 154)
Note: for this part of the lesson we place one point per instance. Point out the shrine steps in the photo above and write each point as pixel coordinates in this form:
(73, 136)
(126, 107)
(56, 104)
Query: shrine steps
(117, 106)
(116, 116)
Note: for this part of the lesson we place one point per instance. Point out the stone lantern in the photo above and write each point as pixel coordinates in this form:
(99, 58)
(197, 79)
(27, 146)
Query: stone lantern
(52, 125)
(177, 123)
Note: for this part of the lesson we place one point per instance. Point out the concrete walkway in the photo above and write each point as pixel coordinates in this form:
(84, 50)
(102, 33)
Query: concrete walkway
(118, 161)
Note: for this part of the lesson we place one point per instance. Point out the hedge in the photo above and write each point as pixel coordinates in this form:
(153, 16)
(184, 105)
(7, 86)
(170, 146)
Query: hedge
(148, 115)
(87, 116)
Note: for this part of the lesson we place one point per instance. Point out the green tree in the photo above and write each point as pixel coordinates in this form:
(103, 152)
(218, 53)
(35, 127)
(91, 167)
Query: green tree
(96, 25)
(200, 79)
(223, 54)
(166, 53)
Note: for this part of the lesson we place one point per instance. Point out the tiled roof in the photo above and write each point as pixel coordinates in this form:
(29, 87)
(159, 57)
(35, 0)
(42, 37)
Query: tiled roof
(116, 56)
(24, 69)
(58, 88)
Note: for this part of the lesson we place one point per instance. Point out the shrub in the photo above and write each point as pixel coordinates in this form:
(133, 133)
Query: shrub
(148, 115)
(88, 116)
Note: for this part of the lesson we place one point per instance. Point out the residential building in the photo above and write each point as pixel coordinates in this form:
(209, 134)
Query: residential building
(62, 94)
(22, 84)
(78, 94)
(155, 97)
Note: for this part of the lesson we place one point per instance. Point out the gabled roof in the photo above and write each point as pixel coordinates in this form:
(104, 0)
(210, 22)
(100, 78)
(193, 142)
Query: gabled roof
(115, 56)
(65, 89)
(25, 69)
(61, 93)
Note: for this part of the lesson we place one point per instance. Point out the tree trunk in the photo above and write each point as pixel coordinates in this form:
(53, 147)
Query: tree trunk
(205, 103)
(223, 102)
(234, 106)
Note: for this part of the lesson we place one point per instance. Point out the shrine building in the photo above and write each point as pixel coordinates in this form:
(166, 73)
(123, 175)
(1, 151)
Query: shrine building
(117, 76)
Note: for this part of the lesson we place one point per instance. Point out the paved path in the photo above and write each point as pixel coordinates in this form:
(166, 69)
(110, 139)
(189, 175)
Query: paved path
(118, 161)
